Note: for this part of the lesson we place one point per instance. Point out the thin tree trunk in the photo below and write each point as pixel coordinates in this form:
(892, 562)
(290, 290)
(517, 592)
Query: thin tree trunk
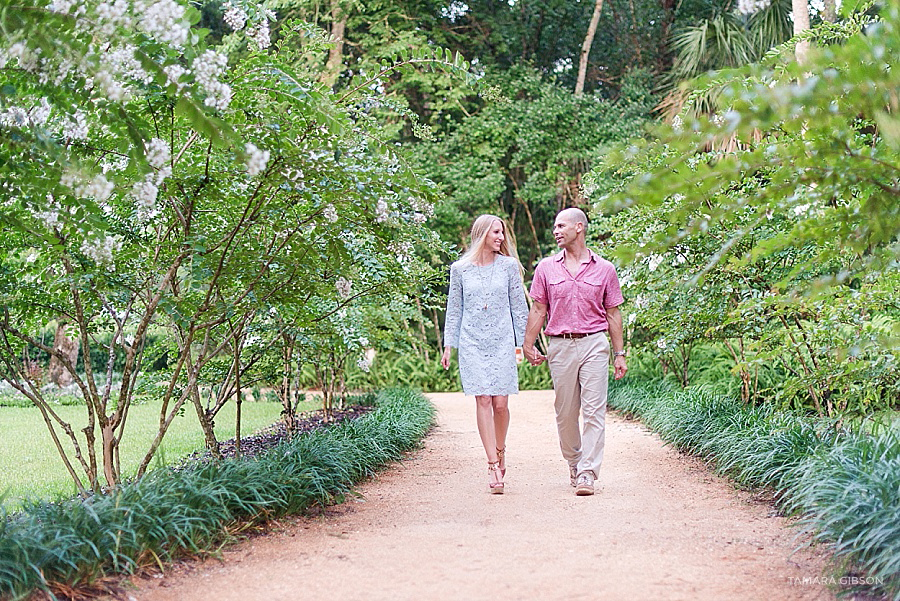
(586, 47)
(830, 12)
(437, 330)
(801, 24)
(237, 388)
(425, 345)
(336, 54)
(69, 347)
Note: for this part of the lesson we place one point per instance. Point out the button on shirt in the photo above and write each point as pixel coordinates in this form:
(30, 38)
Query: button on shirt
(576, 305)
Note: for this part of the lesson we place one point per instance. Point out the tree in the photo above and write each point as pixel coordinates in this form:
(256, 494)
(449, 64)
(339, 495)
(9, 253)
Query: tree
(190, 198)
(800, 219)
(586, 48)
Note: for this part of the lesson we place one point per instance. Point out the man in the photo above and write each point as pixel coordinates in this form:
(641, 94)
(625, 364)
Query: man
(578, 294)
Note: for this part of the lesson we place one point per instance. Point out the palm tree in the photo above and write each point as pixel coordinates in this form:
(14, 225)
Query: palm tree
(725, 38)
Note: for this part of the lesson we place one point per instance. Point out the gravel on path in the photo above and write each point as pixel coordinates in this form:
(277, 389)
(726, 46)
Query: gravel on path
(662, 528)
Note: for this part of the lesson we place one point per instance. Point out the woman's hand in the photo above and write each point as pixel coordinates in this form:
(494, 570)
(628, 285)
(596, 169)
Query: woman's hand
(445, 358)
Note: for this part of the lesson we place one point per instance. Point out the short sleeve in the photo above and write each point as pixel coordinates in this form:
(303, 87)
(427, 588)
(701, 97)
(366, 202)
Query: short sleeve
(613, 296)
(538, 290)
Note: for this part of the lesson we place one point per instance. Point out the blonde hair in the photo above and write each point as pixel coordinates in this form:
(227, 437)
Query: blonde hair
(478, 238)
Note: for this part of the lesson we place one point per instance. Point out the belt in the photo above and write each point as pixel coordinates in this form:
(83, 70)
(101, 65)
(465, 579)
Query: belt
(575, 335)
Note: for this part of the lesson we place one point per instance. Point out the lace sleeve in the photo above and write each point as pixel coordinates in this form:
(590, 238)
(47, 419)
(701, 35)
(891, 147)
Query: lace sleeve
(517, 305)
(453, 317)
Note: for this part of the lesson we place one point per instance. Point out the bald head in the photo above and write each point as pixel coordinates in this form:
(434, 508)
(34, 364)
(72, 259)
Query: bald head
(573, 215)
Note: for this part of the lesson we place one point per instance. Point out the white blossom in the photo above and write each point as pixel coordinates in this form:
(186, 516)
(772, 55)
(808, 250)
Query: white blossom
(26, 57)
(261, 35)
(330, 213)
(343, 286)
(122, 62)
(632, 317)
(235, 17)
(158, 153)
(97, 188)
(800, 209)
(14, 116)
(218, 96)
(653, 261)
(112, 88)
(144, 194)
(208, 67)
(164, 21)
(256, 160)
(76, 127)
(113, 15)
(50, 218)
(750, 7)
(364, 364)
(174, 73)
(102, 251)
(381, 211)
(661, 343)
(61, 6)
(402, 250)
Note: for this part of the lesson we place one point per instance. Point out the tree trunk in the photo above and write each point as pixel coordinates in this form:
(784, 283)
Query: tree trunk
(69, 347)
(801, 24)
(830, 12)
(586, 47)
(336, 54)
(238, 399)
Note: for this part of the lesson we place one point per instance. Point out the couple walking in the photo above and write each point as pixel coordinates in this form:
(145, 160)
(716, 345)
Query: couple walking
(577, 294)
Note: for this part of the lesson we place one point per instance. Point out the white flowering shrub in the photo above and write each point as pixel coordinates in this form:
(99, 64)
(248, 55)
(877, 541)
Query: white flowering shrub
(151, 182)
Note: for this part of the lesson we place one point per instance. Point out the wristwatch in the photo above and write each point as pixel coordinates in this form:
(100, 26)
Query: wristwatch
(619, 353)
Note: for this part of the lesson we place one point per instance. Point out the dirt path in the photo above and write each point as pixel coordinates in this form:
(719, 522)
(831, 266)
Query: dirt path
(662, 529)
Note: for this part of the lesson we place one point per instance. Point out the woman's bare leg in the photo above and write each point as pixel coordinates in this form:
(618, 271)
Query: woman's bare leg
(500, 406)
(484, 414)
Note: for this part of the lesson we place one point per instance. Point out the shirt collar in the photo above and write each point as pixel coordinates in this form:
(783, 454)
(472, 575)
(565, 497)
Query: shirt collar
(561, 255)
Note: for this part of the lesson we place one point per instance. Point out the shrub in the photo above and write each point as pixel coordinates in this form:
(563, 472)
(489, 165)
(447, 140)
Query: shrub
(843, 481)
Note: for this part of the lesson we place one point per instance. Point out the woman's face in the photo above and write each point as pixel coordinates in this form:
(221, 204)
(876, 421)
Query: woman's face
(495, 236)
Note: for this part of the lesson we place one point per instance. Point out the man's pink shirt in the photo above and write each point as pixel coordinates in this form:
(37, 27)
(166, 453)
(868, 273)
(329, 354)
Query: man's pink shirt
(576, 305)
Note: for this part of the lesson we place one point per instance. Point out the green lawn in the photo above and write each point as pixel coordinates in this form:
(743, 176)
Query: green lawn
(30, 466)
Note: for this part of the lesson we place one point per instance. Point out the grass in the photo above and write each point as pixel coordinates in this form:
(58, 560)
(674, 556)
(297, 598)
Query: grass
(844, 483)
(69, 545)
(31, 469)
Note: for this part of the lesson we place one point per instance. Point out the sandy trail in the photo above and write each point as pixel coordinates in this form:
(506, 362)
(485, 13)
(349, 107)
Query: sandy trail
(663, 528)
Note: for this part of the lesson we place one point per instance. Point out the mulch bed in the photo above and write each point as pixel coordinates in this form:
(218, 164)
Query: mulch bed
(269, 437)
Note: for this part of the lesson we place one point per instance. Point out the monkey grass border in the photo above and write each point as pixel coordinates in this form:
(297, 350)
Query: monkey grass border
(71, 544)
(842, 482)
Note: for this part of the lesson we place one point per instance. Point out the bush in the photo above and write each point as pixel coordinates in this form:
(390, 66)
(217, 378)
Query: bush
(170, 513)
(843, 481)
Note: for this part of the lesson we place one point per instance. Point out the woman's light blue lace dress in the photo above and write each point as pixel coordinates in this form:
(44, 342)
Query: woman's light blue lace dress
(486, 317)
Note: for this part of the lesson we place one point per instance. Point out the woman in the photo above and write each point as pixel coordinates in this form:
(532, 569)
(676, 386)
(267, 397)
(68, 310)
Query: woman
(486, 316)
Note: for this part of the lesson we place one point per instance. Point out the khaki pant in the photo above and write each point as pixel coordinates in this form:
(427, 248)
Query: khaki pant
(580, 371)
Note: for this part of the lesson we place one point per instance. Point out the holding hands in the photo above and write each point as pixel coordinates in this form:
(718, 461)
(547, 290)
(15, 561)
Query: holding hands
(533, 355)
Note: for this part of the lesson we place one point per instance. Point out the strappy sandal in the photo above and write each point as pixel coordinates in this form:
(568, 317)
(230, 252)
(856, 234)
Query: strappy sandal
(501, 459)
(495, 485)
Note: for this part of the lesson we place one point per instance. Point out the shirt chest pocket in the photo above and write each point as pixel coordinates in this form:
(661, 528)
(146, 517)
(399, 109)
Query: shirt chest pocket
(560, 287)
(593, 289)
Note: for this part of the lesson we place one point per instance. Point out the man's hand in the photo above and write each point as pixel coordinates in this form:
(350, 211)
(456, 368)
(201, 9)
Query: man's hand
(620, 368)
(445, 358)
(533, 355)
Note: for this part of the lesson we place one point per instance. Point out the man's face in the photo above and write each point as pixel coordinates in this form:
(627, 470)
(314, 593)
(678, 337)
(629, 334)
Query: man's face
(565, 231)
